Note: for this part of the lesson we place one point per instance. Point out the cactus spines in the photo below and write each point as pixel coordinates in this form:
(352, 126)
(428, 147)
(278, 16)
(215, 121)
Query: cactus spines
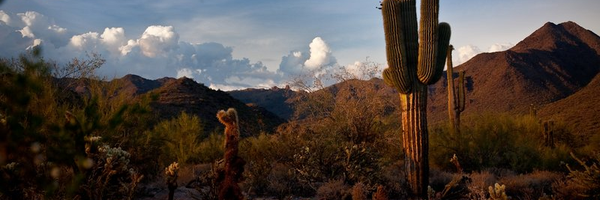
(231, 174)
(456, 95)
(414, 61)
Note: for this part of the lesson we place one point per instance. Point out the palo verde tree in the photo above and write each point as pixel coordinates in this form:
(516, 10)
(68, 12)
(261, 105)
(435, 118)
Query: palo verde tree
(416, 59)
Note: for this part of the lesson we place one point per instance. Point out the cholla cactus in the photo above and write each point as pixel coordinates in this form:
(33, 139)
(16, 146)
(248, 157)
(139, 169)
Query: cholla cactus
(498, 192)
(91, 144)
(11, 166)
(171, 173)
(172, 169)
(115, 158)
(229, 177)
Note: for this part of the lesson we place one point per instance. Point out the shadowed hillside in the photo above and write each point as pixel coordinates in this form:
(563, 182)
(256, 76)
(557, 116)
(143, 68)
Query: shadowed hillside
(274, 99)
(550, 64)
(174, 96)
(581, 110)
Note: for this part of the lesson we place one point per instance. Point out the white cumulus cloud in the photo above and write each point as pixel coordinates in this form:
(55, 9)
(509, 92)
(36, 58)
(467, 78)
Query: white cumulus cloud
(466, 52)
(4, 18)
(113, 38)
(320, 54)
(500, 47)
(317, 60)
(185, 72)
(157, 40)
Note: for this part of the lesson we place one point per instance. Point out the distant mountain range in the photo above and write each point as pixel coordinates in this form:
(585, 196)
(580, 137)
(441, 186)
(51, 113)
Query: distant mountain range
(555, 69)
(174, 96)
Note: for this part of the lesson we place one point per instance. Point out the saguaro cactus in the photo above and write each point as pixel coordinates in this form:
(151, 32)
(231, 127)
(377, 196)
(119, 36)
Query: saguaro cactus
(549, 133)
(415, 59)
(456, 95)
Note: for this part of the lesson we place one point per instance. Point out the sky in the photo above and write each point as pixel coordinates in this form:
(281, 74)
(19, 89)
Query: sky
(236, 44)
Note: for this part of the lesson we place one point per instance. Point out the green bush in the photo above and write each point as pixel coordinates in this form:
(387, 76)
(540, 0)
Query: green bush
(499, 141)
(180, 139)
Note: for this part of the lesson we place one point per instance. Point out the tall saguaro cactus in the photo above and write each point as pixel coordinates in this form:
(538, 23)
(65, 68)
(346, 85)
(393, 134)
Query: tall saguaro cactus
(456, 95)
(416, 59)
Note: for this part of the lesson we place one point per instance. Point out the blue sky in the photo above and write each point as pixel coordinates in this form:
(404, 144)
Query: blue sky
(232, 44)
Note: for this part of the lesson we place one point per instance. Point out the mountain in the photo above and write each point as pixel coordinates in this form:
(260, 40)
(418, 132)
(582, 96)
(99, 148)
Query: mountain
(580, 110)
(274, 100)
(186, 95)
(136, 85)
(174, 96)
(556, 69)
(552, 63)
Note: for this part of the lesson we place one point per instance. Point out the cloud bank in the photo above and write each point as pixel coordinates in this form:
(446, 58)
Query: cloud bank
(159, 52)
(156, 53)
(465, 53)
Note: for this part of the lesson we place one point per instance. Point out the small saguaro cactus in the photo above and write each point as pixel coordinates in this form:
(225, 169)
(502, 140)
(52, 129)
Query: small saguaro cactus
(456, 95)
(548, 133)
(416, 59)
(532, 111)
(231, 174)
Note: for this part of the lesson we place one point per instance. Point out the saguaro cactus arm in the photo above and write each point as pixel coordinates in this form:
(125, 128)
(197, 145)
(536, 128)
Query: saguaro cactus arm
(434, 75)
(399, 74)
(433, 43)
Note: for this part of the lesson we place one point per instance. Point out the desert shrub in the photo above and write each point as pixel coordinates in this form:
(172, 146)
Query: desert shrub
(582, 182)
(359, 191)
(211, 148)
(530, 186)
(283, 183)
(393, 181)
(555, 158)
(381, 193)
(500, 141)
(110, 175)
(334, 189)
(45, 125)
(438, 179)
(180, 139)
(480, 182)
(261, 153)
(593, 145)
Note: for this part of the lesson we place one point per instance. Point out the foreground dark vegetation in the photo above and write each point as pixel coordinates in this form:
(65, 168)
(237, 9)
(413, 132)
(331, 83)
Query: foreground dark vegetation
(96, 143)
